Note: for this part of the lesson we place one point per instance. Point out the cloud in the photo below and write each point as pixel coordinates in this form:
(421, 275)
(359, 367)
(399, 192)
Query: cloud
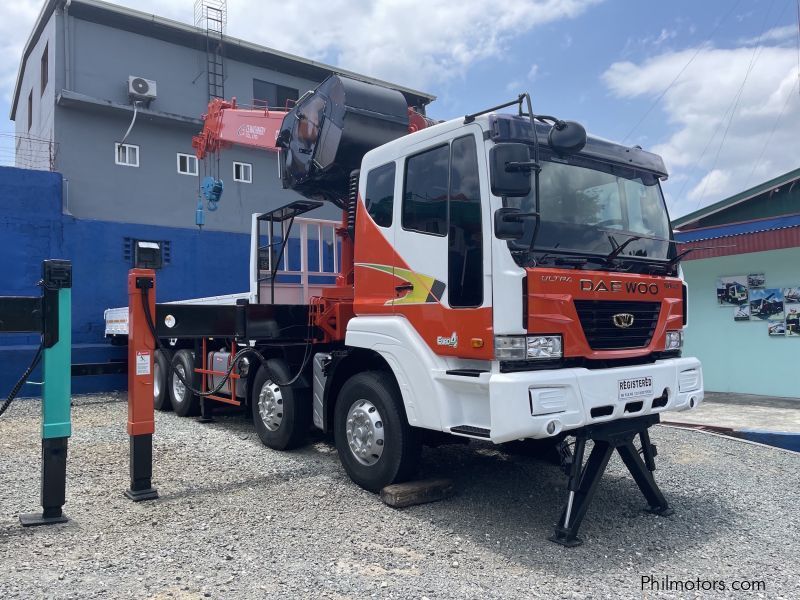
(533, 72)
(414, 42)
(776, 34)
(698, 107)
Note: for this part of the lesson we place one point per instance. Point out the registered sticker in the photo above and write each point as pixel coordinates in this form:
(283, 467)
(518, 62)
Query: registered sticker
(143, 363)
(635, 387)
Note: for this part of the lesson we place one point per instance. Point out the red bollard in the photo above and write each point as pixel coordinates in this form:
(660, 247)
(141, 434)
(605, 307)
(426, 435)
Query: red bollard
(141, 420)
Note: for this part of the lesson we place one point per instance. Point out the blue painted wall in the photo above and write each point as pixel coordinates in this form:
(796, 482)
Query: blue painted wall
(33, 228)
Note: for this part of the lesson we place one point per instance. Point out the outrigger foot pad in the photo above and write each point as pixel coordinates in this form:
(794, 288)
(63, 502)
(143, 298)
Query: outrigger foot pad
(142, 495)
(561, 537)
(661, 511)
(616, 436)
(35, 519)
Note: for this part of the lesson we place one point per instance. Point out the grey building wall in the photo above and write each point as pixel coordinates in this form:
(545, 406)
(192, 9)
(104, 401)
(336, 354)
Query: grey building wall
(86, 110)
(33, 145)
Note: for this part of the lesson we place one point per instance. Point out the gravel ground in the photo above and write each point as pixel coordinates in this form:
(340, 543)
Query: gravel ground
(236, 520)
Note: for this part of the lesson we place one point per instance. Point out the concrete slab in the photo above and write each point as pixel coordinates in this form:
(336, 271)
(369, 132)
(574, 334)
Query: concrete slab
(743, 412)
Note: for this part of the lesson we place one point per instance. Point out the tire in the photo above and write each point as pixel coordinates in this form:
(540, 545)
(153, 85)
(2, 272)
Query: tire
(185, 403)
(281, 414)
(372, 399)
(545, 449)
(161, 399)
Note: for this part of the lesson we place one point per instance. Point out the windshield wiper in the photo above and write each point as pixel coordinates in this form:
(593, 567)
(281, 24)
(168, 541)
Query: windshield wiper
(618, 248)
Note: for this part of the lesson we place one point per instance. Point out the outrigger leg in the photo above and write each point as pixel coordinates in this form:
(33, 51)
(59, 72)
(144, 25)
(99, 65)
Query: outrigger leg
(583, 479)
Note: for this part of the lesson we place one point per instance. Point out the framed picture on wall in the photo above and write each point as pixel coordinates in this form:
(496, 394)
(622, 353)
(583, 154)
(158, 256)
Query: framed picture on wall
(741, 313)
(766, 304)
(792, 319)
(732, 291)
(756, 280)
(777, 329)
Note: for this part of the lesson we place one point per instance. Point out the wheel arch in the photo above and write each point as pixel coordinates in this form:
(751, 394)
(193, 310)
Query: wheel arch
(344, 366)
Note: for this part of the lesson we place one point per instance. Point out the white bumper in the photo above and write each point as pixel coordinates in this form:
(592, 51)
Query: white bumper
(523, 404)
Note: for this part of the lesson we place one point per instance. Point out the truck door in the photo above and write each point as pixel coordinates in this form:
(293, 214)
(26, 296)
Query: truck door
(441, 285)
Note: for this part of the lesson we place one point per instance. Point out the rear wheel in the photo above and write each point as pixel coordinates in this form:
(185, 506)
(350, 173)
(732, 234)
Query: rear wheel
(281, 413)
(376, 445)
(161, 400)
(184, 401)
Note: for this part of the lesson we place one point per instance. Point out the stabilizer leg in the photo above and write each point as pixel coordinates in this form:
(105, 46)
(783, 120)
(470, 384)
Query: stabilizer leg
(582, 486)
(583, 480)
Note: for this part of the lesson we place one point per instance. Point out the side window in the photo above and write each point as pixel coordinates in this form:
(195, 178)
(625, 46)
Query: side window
(425, 192)
(380, 194)
(465, 242)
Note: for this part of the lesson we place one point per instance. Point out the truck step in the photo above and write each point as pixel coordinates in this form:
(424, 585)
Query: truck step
(471, 430)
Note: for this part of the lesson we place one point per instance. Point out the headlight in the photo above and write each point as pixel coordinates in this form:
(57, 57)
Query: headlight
(674, 340)
(509, 347)
(520, 347)
(544, 346)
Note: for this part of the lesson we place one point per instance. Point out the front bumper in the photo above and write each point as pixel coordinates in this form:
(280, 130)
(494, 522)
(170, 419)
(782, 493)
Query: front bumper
(523, 404)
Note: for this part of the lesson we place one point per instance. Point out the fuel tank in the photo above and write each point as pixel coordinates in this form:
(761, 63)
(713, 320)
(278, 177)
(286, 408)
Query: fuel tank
(326, 134)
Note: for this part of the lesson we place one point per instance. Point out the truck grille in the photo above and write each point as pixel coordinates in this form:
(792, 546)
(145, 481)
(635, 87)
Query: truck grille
(597, 320)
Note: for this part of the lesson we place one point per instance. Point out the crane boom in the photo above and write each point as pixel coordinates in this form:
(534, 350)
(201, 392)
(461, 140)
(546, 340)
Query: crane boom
(226, 124)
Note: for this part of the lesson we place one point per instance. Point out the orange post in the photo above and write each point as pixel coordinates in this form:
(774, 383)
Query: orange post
(141, 347)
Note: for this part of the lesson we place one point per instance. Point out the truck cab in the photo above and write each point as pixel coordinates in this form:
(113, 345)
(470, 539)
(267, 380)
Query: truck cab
(530, 336)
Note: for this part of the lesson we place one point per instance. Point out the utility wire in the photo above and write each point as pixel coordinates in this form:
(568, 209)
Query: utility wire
(789, 96)
(678, 76)
(753, 59)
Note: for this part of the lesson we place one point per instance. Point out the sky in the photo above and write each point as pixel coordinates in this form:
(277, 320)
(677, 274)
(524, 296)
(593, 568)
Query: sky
(713, 85)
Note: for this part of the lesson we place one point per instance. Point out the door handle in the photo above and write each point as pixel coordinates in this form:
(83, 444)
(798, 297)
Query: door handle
(404, 287)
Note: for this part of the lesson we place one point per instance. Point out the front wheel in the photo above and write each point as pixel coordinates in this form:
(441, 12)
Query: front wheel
(376, 445)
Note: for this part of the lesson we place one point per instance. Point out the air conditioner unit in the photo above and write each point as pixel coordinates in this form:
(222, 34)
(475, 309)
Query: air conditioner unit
(140, 88)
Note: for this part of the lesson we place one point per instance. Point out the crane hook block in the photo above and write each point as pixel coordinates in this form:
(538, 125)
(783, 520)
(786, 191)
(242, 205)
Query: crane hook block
(211, 189)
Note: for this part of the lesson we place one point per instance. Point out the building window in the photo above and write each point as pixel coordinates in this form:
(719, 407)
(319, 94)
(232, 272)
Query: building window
(187, 164)
(243, 172)
(380, 194)
(30, 110)
(272, 95)
(45, 71)
(425, 192)
(126, 154)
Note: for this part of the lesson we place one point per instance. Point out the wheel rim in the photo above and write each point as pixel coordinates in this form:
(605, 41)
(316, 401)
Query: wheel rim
(156, 381)
(270, 405)
(178, 389)
(365, 432)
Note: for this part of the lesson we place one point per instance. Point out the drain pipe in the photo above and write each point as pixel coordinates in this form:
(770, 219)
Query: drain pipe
(67, 48)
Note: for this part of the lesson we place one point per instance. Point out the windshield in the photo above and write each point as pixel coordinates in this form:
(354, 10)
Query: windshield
(583, 202)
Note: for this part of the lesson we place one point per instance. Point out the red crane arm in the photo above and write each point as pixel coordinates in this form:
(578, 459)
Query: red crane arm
(225, 125)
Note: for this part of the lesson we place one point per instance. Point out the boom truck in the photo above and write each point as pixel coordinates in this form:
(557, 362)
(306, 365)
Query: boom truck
(501, 277)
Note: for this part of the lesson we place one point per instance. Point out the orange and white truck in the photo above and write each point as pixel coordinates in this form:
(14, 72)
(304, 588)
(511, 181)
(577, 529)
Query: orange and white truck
(501, 276)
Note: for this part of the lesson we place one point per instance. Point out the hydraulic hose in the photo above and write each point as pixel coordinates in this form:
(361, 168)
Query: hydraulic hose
(18, 386)
(236, 357)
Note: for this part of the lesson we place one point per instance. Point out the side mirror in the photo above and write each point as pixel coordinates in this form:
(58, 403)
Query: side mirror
(507, 178)
(509, 223)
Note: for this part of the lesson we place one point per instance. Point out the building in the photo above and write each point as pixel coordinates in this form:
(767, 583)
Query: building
(72, 90)
(744, 288)
(89, 200)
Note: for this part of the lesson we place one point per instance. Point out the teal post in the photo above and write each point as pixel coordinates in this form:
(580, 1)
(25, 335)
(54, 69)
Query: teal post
(57, 366)
(57, 372)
